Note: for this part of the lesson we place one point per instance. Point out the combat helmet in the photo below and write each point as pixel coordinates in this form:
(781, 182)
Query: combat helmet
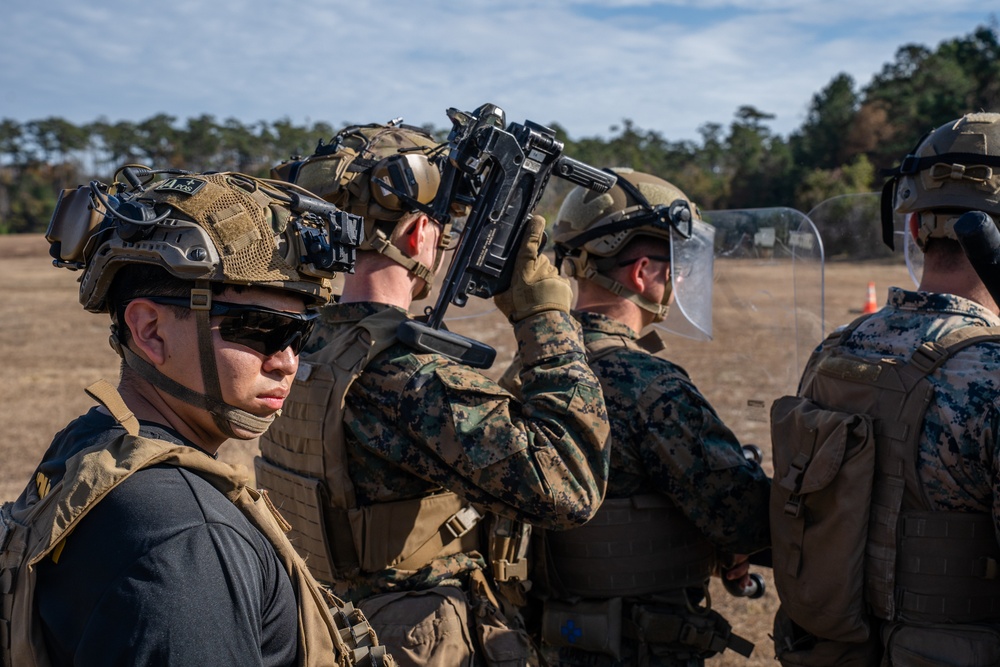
(383, 173)
(953, 169)
(592, 228)
(206, 229)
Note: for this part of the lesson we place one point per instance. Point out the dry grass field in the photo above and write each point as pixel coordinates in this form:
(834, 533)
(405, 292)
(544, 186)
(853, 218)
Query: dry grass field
(55, 349)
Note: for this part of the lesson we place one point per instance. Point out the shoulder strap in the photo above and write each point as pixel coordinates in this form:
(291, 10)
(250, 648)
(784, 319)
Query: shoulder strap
(102, 392)
(304, 463)
(929, 356)
(349, 355)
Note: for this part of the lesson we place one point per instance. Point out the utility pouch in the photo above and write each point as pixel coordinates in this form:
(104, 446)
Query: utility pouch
(503, 640)
(794, 647)
(423, 628)
(408, 534)
(592, 625)
(684, 632)
(930, 645)
(824, 462)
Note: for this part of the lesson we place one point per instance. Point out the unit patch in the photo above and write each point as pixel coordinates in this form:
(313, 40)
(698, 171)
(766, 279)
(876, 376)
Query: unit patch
(184, 185)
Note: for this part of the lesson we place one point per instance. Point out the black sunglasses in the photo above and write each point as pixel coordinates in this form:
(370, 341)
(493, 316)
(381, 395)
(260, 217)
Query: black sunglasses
(261, 329)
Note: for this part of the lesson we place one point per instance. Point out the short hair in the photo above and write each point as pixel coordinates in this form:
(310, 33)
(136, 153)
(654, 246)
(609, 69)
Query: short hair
(639, 246)
(137, 281)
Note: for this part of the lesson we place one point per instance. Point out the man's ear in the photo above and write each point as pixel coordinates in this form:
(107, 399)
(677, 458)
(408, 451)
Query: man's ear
(416, 234)
(638, 275)
(145, 321)
(913, 224)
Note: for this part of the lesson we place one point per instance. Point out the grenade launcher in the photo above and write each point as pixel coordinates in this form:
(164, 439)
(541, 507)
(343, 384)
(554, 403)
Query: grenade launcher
(500, 173)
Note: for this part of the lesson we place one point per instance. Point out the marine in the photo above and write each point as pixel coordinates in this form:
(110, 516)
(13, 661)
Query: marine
(132, 543)
(900, 407)
(683, 500)
(407, 452)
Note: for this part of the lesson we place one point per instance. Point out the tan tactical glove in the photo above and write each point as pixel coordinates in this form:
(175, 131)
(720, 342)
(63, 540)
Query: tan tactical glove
(536, 286)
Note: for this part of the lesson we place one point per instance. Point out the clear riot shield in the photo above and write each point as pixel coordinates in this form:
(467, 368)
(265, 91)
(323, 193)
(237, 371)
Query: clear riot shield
(767, 316)
(857, 258)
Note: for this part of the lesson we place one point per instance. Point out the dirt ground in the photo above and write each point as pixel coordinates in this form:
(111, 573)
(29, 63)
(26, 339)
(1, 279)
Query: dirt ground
(55, 349)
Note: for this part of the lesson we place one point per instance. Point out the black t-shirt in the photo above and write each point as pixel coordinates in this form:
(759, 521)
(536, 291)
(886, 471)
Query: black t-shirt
(164, 570)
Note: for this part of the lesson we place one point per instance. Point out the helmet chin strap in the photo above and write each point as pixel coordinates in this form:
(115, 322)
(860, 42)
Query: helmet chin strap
(659, 310)
(383, 245)
(227, 417)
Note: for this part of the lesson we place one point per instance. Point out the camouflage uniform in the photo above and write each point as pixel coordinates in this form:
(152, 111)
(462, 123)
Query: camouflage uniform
(423, 423)
(667, 439)
(961, 436)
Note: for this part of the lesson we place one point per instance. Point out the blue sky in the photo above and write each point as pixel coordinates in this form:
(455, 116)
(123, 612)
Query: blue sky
(668, 65)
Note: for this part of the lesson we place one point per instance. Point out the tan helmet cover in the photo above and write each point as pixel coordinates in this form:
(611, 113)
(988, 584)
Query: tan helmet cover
(941, 190)
(584, 209)
(350, 171)
(586, 212)
(222, 227)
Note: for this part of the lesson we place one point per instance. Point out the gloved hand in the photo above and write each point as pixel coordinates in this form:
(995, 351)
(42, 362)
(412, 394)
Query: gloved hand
(536, 285)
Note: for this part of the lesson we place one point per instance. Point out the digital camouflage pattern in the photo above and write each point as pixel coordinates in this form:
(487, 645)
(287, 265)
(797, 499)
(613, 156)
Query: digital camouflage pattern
(961, 439)
(422, 423)
(666, 438)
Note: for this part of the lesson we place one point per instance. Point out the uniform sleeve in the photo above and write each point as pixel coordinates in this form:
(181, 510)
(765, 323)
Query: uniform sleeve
(696, 461)
(543, 459)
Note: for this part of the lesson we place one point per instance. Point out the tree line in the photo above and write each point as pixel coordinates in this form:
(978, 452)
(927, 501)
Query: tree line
(850, 136)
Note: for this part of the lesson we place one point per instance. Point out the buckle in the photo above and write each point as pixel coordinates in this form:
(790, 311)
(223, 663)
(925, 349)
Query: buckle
(793, 506)
(927, 356)
(504, 570)
(462, 521)
(796, 472)
(201, 299)
(909, 165)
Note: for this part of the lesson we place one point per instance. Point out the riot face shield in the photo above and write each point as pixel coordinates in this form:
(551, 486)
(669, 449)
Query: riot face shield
(767, 303)
(691, 260)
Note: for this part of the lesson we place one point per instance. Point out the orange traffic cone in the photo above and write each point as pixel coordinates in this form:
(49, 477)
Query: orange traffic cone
(871, 305)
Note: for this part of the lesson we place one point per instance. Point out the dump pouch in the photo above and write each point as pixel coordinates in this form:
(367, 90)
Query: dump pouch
(426, 627)
(824, 461)
(794, 647)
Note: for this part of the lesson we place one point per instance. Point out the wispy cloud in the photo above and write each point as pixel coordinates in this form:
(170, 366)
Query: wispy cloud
(670, 65)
